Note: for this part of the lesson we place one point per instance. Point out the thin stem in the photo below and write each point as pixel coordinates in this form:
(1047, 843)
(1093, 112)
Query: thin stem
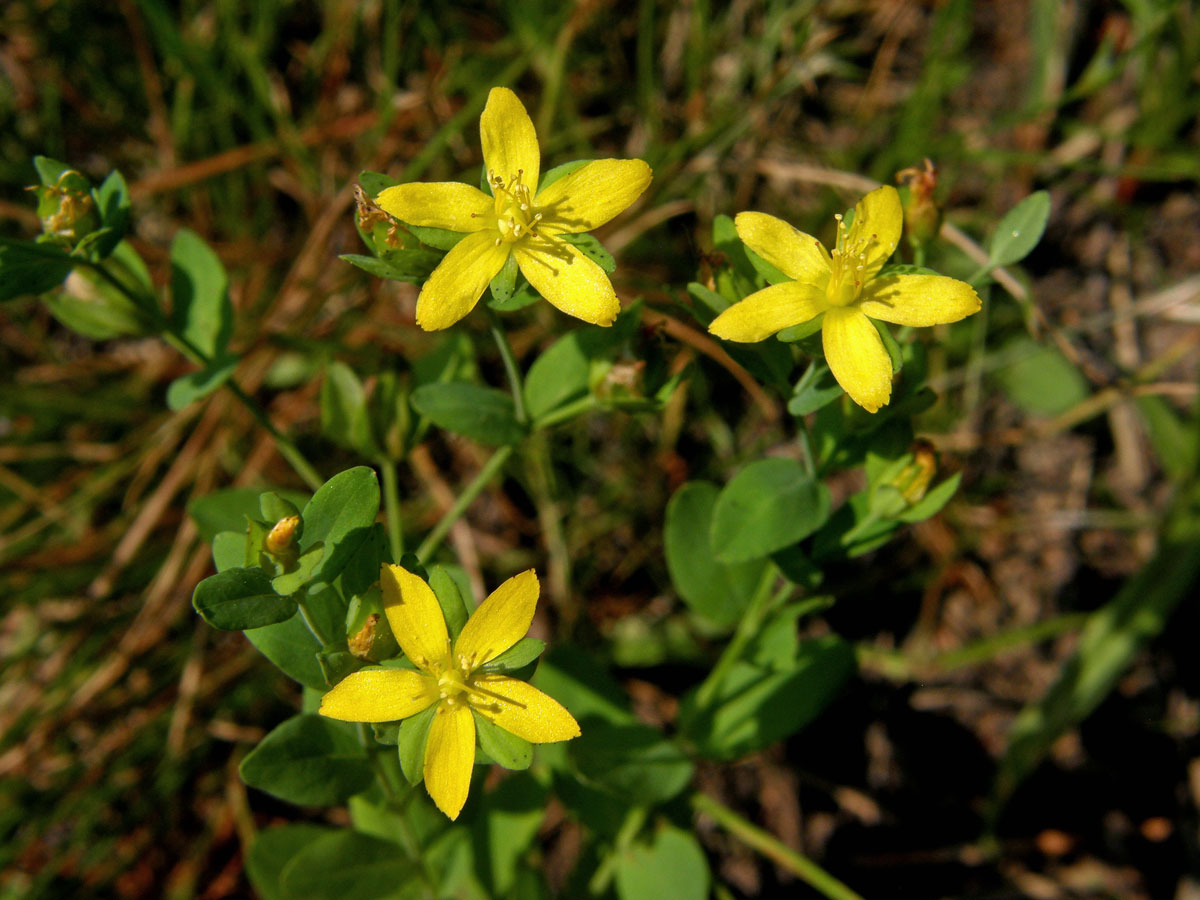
(747, 627)
(500, 336)
(773, 849)
(568, 411)
(391, 508)
(434, 539)
(180, 342)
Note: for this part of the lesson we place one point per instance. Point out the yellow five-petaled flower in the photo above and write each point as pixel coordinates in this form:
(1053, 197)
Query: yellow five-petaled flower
(449, 675)
(844, 285)
(520, 220)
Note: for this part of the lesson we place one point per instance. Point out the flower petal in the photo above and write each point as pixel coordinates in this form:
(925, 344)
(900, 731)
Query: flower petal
(442, 204)
(501, 620)
(798, 255)
(379, 695)
(522, 709)
(918, 300)
(416, 617)
(857, 357)
(510, 146)
(770, 310)
(878, 219)
(450, 757)
(568, 279)
(591, 195)
(460, 279)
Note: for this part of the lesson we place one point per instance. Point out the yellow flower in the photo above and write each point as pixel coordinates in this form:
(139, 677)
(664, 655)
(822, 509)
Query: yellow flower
(844, 285)
(449, 675)
(518, 221)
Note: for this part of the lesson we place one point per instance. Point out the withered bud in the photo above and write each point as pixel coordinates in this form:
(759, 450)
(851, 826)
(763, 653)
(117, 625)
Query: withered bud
(922, 216)
(362, 642)
(913, 481)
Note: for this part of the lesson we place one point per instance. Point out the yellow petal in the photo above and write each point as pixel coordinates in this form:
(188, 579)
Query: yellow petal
(510, 147)
(445, 204)
(568, 279)
(522, 709)
(416, 617)
(857, 357)
(918, 300)
(450, 757)
(770, 310)
(460, 280)
(501, 620)
(379, 695)
(875, 232)
(796, 254)
(591, 195)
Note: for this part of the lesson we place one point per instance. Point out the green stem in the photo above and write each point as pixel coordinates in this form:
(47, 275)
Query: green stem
(567, 412)
(391, 508)
(194, 354)
(747, 627)
(434, 539)
(773, 849)
(903, 666)
(500, 336)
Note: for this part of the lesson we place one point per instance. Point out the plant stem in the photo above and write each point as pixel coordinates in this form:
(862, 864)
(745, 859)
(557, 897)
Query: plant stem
(171, 335)
(510, 365)
(434, 539)
(773, 849)
(746, 629)
(391, 508)
(567, 411)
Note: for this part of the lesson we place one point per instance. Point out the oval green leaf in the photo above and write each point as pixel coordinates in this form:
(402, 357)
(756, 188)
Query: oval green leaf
(768, 505)
(310, 761)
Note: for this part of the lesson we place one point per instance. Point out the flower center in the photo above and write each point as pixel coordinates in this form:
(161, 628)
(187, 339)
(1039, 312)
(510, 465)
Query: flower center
(848, 266)
(451, 683)
(516, 216)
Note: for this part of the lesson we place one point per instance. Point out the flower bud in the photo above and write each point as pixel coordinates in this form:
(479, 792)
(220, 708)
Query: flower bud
(282, 537)
(362, 641)
(66, 208)
(913, 480)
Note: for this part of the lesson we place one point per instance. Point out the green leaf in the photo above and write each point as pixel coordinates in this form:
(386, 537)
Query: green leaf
(815, 389)
(340, 516)
(522, 297)
(671, 865)
(375, 183)
(239, 598)
(505, 282)
(504, 747)
(27, 268)
(769, 272)
(1175, 444)
(548, 178)
(229, 550)
(1040, 380)
(558, 375)
(520, 654)
(799, 332)
(224, 510)
(438, 238)
(766, 506)
(1020, 230)
(309, 760)
(271, 851)
(410, 743)
(344, 415)
(200, 294)
(293, 650)
(454, 610)
(593, 250)
(349, 865)
(708, 303)
(512, 815)
(187, 389)
(932, 502)
(413, 266)
(715, 590)
(630, 760)
(49, 170)
(113, 205)
(756, 705)
(481, 413)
